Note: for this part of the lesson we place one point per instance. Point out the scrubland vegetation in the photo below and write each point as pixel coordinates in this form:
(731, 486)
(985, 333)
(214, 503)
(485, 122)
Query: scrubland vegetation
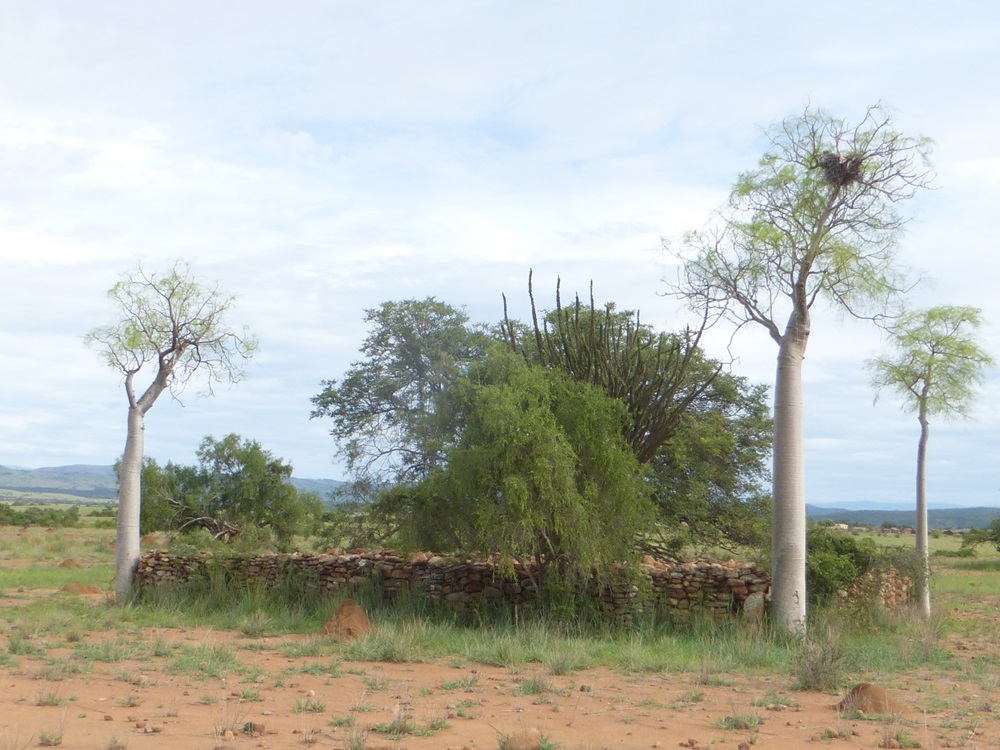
(572, 444)
(869, 638)
(262, 644)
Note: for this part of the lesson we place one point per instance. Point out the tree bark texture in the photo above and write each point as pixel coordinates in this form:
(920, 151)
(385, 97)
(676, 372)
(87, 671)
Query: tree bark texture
(129, 498)
(130, 482)
(788, 524)
(923, 551)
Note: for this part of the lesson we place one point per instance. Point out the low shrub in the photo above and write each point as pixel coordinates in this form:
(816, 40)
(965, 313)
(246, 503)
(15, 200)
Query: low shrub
(819, 662)
(835, 561)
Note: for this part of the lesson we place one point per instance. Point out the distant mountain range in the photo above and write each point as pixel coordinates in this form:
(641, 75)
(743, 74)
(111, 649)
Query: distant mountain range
(937, 518)
(99, 482)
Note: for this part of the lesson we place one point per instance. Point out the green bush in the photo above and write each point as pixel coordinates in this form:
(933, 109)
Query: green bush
(961, 552)
(903, 560)
(193, 542)
(989, 535)
(819, 661)
(835, 561)
(36, 516)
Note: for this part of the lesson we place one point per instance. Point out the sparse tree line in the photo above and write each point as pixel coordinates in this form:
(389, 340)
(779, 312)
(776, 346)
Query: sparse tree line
(582, 437)
(10, 515)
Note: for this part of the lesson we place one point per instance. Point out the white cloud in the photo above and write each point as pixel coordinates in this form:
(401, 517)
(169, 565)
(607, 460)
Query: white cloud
(321, 158)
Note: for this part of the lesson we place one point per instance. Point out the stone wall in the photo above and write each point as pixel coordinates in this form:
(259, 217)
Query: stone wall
(718, 588)
(890, 587)
(678, 589)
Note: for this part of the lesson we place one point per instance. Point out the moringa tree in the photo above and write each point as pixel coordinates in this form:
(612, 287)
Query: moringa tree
(934, 363)
(176, 324)
(817, 219)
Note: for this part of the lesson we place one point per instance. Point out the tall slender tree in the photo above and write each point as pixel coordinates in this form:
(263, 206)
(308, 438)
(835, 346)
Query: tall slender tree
(934, 363)
(817, 219)
(176, 324)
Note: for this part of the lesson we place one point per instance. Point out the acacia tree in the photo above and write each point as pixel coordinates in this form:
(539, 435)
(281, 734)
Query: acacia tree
(934, 364)
(383, 410)
(817, 219)
(709, 476)
(237, 485)
(176, 324)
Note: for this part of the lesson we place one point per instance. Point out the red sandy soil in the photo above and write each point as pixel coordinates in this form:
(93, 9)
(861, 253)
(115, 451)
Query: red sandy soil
(144, 706)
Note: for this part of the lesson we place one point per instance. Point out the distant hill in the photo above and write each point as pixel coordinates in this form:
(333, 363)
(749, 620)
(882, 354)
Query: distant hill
(937, 518)
(100, 482)
(82, 480)
(322, 487)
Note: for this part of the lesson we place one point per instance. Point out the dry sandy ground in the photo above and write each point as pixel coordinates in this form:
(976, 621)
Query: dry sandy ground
(144, 706)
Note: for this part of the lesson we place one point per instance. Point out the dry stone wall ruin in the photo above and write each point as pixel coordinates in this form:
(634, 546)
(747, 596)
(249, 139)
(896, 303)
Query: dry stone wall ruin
(717, 589)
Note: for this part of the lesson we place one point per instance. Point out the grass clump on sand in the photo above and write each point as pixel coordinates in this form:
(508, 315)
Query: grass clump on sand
(412, 629)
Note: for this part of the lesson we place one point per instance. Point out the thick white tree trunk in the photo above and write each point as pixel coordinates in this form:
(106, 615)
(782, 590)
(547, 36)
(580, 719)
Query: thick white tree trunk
(788, 525)
(923, 551)
(129, 498)
(130, 482)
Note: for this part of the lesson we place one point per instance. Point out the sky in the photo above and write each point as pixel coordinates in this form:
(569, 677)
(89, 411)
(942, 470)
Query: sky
(318, 158)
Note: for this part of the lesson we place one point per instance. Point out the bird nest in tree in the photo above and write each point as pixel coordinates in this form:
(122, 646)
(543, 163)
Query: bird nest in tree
(840, 170)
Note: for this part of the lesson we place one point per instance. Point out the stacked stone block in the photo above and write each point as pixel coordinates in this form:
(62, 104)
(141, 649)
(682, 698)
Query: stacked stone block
(678, 589)
(717, 589)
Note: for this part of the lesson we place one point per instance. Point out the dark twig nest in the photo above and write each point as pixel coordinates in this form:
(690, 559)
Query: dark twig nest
(840, 170)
